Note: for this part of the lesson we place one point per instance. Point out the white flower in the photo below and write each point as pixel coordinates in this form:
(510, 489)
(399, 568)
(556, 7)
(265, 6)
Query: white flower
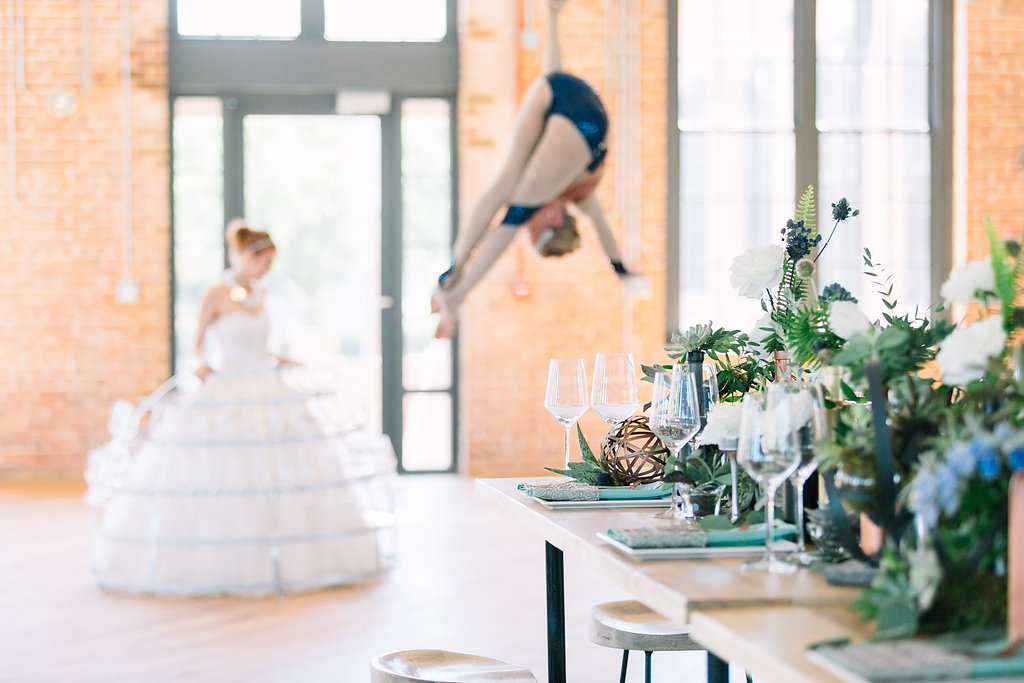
(963, 356)
(757, 269)
(846, 320)
(723, 426)
(965, 282)
(925, 573)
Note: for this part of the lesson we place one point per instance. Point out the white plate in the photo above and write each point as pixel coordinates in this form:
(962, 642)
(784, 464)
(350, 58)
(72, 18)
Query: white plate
(604, 504)
(781, 546)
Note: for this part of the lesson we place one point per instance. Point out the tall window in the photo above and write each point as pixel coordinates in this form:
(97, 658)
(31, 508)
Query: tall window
(774, 95)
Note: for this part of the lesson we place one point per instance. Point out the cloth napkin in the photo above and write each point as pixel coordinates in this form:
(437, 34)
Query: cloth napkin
(569, 489)
(950, 656)
(661, 537)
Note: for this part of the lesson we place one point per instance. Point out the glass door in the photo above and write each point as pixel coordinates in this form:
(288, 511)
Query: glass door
(314, 182)
(361, 208)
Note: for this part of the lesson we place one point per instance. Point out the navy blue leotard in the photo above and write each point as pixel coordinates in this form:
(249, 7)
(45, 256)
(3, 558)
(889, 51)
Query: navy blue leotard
(574, 99)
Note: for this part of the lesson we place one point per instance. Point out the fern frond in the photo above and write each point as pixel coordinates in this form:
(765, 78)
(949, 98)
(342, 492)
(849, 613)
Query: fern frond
(806, 212)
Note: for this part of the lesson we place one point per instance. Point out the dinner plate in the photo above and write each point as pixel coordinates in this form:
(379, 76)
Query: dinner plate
(603, 504)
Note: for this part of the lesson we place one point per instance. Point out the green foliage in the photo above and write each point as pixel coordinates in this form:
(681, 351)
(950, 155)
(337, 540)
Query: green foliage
(808, 335)
(1005, 273)
(890, 598)
(708, 464)
(587, 471)
(703, 338)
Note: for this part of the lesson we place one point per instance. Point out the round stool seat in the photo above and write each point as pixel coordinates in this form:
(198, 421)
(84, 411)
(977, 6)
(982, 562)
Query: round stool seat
(441, 666)
(631, 625)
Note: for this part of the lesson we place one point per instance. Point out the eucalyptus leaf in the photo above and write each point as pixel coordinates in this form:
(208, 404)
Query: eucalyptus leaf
(896, 619)
(715, 523)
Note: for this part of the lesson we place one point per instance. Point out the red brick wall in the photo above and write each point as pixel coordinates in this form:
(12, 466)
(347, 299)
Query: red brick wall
(994, 184)
(67, 348)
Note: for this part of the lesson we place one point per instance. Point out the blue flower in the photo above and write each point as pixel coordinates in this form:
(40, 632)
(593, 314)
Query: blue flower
(963, 458)
(924, 494)
(1017, 458)
(947, 483)
(987, 458)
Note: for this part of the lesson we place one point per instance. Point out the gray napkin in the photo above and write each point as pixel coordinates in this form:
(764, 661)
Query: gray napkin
(661, 537)
(569, 489)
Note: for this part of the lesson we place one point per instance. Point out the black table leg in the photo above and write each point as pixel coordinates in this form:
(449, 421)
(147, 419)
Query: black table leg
(556, 614)
(718, 670)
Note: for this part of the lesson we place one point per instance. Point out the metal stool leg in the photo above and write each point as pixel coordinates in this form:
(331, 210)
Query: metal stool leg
(647, 666)
(625, 662)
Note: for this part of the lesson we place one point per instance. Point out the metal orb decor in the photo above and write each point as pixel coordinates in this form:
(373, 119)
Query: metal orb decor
(632, 453)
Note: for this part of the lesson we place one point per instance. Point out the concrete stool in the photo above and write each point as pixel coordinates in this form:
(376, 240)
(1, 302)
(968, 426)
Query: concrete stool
(441, 666)
(630, 625)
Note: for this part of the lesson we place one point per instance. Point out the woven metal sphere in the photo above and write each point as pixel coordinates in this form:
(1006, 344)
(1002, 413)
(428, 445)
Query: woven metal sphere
(632, 453)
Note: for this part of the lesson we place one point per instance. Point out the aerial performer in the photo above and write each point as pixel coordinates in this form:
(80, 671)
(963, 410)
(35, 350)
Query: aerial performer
(556, 158)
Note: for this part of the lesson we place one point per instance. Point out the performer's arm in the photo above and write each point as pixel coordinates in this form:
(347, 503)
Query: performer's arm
(592, 208)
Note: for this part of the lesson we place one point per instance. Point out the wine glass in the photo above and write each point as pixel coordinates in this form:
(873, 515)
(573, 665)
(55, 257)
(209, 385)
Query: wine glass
(614, 395)
(810, 421)
(675, 419)
(566, 396)
(769, 450)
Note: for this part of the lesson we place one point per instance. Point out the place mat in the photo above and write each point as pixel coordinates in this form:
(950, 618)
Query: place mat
(703, 553)
(669, 536)
(653, 491)
(950, 657)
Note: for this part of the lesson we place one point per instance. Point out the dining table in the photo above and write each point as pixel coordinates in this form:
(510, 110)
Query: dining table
(737, 615)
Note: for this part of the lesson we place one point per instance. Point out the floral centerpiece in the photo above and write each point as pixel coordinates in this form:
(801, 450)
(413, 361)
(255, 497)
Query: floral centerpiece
(928, 418)
(955, 441)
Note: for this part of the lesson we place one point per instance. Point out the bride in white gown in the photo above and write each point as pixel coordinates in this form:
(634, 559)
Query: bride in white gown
(258, 481)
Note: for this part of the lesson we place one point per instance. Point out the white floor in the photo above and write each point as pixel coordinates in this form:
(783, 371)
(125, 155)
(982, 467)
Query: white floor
(467, 580)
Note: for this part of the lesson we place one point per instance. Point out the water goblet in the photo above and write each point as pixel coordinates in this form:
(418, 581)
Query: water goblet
(769, 450)
(810, 421)
(675, 419)
(566, 395)
(614, 395)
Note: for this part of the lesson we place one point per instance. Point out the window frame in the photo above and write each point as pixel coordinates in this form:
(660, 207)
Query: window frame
(940, 117)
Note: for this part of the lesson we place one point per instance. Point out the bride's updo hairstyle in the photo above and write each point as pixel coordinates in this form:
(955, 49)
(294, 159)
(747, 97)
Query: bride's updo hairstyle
(244, 240)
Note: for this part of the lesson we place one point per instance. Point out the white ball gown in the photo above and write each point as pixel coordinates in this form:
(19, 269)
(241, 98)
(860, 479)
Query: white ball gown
(258, 481)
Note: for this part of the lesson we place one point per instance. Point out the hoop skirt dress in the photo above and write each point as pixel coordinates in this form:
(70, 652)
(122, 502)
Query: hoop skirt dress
(259, 481)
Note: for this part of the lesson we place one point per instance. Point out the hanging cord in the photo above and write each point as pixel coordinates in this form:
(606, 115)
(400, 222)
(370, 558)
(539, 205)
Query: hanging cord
(628, 134)
(127, 290)
(13, 193)
(64, 99)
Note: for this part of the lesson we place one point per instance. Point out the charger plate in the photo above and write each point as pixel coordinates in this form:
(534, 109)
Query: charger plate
(707, 552)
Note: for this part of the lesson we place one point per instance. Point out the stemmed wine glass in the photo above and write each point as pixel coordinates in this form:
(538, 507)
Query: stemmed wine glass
(675, 419)
(810, 421)
(614, 395)
(769, 450)
(566, 396)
